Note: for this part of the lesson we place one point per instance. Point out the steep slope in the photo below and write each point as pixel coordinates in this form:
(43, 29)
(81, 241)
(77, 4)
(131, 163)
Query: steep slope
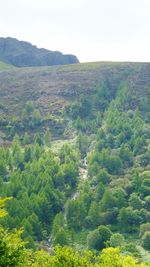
(23, 54)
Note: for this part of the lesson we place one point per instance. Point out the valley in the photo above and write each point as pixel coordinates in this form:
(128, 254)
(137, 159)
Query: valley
(75, 156)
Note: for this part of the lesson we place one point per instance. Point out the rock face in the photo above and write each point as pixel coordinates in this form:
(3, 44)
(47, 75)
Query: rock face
(24, 54)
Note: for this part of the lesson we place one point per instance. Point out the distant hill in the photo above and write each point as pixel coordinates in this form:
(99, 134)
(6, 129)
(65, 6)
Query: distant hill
(24, 54)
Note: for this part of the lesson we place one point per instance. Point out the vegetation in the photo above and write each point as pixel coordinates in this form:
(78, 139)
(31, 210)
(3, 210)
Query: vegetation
(5, 66)
(93, 190)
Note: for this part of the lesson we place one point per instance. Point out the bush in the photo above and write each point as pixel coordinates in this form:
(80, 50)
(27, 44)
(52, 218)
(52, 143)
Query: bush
(117, 240)
(97, 239)
(146, 240)
(144, 228)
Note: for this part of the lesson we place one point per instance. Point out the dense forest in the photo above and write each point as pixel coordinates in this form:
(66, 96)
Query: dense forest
(77, 178)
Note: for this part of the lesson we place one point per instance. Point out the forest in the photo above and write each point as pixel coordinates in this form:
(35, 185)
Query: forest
(76, 185)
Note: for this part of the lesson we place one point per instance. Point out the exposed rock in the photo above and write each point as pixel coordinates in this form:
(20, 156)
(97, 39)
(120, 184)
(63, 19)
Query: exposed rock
(24, 54)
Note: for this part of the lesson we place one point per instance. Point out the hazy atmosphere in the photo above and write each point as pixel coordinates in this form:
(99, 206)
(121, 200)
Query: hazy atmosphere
(92, 30)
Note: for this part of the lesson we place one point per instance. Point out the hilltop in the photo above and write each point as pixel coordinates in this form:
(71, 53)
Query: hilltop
(24, 54)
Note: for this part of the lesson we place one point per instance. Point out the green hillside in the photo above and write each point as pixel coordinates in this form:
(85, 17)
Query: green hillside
(75, 158)
(53, 88)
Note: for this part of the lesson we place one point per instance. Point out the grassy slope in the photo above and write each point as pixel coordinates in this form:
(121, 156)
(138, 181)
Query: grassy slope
(4, 66)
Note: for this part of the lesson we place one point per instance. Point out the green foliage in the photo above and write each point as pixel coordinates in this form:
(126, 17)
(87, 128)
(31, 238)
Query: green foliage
(75, 214)
(82, 144)
(129, 219)
(47, 138)
(117, 240)
(58, 223)
(26, 139)
(37, 194)
(11, 249)
(51, 197)
(144, 228)
(97, 239)
(93, 217)
(61, 238)
(135, 201)
(103, 177)
(108, 201)
(13, 253)
(146, 240)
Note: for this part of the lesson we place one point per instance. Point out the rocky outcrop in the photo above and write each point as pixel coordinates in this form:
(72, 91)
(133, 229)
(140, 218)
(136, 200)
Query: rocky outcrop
(24, 54)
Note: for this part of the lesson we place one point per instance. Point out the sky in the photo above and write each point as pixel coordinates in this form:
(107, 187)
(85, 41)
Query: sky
(93, 30)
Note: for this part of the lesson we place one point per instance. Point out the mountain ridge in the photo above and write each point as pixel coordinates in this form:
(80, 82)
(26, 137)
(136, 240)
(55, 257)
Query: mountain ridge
(24, 54)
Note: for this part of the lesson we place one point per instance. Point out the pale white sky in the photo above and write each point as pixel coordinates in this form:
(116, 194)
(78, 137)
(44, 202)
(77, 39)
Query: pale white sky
(93, 30)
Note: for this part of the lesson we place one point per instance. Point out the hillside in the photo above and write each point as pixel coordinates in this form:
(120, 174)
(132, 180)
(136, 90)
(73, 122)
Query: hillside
(4, 66)
(75, 155)
(53, 88)
(24, 54)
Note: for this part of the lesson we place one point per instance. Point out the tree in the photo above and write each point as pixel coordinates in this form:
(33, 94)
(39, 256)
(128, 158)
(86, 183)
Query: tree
(26, 139)
(97, 239)
(3, 168)
(17, 152)
(75, 214)
(38, 139)
(126, 155)
(58, 223)
(144, 228)
(145, 215)
(139, 143)
(147, 203)
(117, 240)
(93, 215)
(129, 219)
(120, 196)
(136, 181)
(108, 200)
(36, 227)
(61, 238)
(47, 138)
(27, 154)
(103, 177)
(145, 187)
(82, 144)
(3, 212)
(36, 117)
(11, 248)
(112, 163)
(115, 165)
(29, 107)
(135, 201)
(146, 240)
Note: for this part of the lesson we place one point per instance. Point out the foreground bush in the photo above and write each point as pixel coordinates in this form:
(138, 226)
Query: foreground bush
(67, 257)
